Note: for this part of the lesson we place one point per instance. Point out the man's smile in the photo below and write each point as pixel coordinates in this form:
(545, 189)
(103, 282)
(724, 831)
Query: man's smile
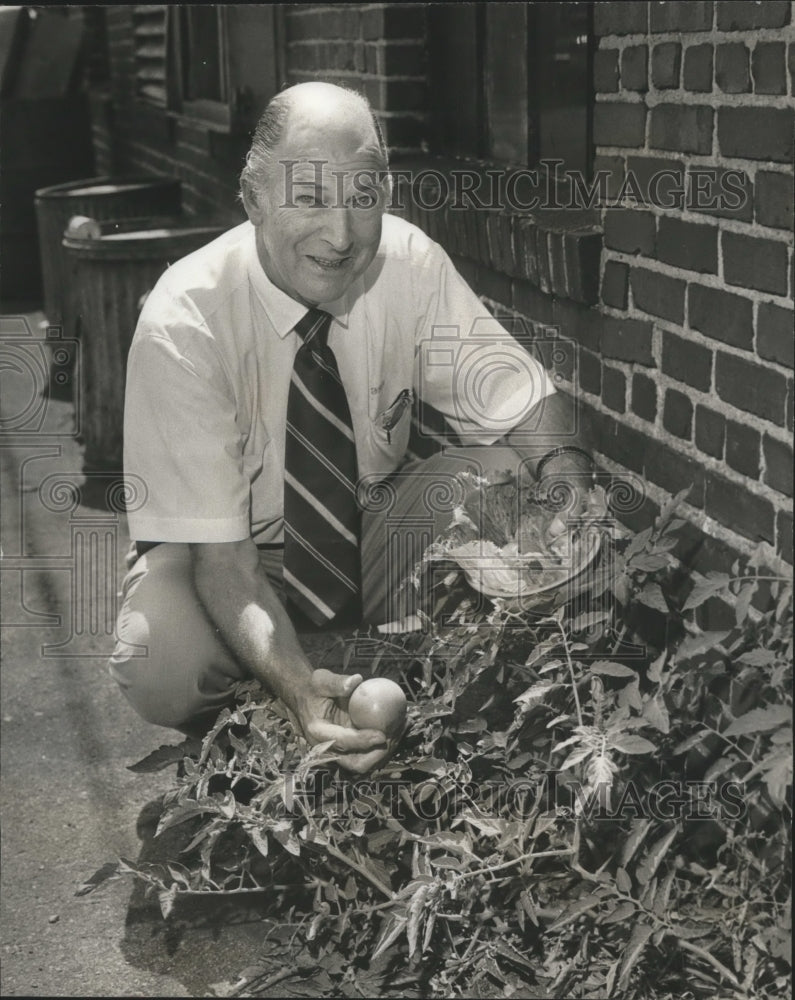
(329, 264)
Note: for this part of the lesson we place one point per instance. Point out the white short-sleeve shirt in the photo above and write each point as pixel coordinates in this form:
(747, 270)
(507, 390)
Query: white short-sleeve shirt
(209, 372)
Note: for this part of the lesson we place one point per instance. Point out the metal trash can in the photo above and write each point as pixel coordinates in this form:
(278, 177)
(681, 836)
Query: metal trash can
(98, 198)
(111, 275)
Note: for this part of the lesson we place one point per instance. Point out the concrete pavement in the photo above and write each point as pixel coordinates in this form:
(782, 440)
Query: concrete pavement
(68, 802)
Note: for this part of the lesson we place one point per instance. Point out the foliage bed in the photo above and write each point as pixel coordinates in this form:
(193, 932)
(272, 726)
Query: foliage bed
(571, 813)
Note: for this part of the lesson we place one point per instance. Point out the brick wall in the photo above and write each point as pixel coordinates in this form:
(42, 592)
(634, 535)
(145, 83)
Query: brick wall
(698, 294)
(375, 48)
(378, 49)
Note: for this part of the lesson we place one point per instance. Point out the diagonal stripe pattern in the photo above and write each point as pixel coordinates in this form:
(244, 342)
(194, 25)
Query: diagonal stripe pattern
(322, 573)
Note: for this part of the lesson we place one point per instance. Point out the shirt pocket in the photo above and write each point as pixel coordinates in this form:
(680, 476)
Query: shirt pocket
(392, 422)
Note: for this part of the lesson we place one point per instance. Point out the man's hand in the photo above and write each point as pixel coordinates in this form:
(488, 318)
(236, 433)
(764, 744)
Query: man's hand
(322, 715)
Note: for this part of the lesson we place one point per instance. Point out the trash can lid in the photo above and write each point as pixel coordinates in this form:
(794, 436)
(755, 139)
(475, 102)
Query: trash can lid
(151, 238)
(100, 186)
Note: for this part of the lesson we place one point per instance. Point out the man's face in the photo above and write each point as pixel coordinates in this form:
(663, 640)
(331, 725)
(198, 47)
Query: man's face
(318, 221)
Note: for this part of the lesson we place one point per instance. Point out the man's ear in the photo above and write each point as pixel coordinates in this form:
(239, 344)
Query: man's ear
(251, 201)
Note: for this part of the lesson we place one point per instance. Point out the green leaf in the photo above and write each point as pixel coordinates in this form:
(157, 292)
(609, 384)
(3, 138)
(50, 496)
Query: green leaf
(690, 742)
(164, 756)
(101, 875)
(623, 880)
(758, 658)
(653, 597)
(778, 779)
(694, 645)
(574, 910)
(611, 669)
(656, 714)
(634, 949)
(651, 862)
(639, 829)
(166, 898)
(711, 585)
(759, 720)
(621, 912)
(633, 744)
(393, 928)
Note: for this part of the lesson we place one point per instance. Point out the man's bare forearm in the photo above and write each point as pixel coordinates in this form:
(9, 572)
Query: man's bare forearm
(547, 428)
(250, 618)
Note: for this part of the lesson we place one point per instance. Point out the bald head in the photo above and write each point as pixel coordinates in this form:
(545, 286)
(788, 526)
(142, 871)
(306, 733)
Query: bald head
(310, 119)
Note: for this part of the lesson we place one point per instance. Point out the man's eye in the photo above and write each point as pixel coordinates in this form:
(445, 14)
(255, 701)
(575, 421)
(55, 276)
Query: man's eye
(309, 201)
(363, 201)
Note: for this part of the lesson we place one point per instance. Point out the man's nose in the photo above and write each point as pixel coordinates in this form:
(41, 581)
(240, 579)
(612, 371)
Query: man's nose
(338, 228)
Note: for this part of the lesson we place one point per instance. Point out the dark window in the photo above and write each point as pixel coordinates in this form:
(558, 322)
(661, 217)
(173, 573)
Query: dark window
(510, 82)
(223, 62)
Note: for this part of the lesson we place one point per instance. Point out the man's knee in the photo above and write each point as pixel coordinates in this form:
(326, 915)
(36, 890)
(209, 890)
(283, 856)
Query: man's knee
(168, 659)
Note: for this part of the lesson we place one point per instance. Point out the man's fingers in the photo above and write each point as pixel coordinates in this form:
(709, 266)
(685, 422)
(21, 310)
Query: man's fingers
(331, 685)
(347, 740)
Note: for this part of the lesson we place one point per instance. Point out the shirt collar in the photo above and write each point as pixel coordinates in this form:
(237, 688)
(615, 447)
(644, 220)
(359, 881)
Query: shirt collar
(283, 311)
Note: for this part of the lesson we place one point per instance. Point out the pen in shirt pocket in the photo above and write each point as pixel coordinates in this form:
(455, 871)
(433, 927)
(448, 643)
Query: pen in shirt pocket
(392, 414)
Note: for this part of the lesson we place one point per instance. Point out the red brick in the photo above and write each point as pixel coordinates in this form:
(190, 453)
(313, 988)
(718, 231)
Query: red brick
(686, 128)
(620, 18)
(775, 337)
(614, 389)
(634, 68)
(666, 64)
(751, 387)
(723, 191)
(613, 167)
(669, 468)
(530, 302)
(791, 65)
(624, 445)
(732, 73)
(619, 124)
(738, 508)
(686, 362)
(742, 449)
(734, 16)
(583, 251)
(678, 414)
(629, 230)
(754, 263)
(578, 323)
(697, 75)
(710, 431)
(784, 535)
(756, 133)
(773, 199)
(605, 71)
(660, 180)
(644, 397)
(722, 316)
(694, 15)
(687, 244)
(767, 63)
(778, 465)
(615, 284)
(627, 340)
(590, 373)
(658, 294)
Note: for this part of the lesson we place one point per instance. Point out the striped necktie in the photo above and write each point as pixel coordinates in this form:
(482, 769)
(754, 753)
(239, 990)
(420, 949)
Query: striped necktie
(321, 518)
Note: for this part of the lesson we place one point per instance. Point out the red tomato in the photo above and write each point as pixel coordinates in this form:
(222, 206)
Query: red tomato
(378, 703)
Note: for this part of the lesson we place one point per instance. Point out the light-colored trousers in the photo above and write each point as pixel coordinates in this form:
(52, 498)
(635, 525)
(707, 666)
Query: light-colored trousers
(170, 661)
